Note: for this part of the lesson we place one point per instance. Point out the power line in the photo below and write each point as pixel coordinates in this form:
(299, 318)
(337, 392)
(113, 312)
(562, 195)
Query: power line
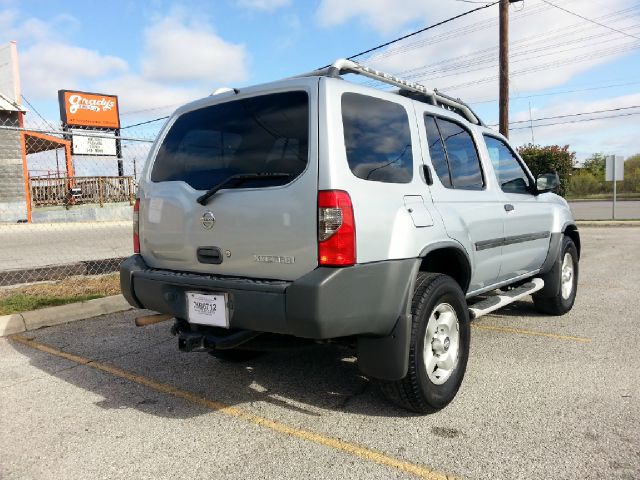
(560, 92)
(144, 123)
(573, 115)
(38, 113)
(371, 49)
(386, 44)
(132, 112)
(590, 20)
(578, 121)
(485, 56)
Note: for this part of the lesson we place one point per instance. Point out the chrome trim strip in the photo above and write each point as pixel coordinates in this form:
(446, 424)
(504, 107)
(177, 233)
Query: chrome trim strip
(501, 242)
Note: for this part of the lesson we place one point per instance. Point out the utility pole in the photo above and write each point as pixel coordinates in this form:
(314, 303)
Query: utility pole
(504, 68)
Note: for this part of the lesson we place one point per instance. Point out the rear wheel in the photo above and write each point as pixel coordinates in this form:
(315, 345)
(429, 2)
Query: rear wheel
(561, 282)
(439, 347)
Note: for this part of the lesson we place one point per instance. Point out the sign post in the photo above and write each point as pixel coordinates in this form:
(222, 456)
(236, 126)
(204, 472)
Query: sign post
(614, 171)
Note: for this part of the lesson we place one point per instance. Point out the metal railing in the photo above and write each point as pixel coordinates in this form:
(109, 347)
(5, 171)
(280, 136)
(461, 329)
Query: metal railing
(48, 191)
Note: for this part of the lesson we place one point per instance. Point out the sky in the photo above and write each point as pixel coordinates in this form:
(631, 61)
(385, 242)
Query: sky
(157, 54)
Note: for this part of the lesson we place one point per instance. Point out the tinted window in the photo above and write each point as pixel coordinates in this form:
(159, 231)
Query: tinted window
(511, 176)
(462, 155)
(436, 151)
(266, 134)
(377, 139)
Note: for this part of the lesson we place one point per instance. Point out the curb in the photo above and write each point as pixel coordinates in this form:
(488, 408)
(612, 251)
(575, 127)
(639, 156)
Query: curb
(50, 316)
(608, 223)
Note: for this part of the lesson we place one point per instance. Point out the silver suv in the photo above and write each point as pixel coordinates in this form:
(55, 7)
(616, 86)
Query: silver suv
(323, 209)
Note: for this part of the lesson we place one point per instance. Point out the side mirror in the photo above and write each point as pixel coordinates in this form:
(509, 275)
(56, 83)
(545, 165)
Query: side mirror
(545, 182)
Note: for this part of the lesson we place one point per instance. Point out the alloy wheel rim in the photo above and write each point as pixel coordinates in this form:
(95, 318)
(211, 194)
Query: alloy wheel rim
(441, 343)
(566, 273)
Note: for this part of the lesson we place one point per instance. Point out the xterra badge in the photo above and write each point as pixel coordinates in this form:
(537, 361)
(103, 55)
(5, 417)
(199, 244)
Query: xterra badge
(274, 259)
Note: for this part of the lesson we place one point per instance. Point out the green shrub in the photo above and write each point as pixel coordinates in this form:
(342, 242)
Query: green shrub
(583, 183)
(548, 159)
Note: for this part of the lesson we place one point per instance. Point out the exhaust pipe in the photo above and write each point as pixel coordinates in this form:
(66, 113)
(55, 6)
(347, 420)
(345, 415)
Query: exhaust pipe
(151, 319)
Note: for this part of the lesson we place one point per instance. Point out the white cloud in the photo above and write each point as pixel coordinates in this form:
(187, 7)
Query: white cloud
(384, 16)
(138, 93)
(47, 61)
(615, 135)
(181, 50)
(264, 5)
(183, 59)
(548, 48)
(47, 67)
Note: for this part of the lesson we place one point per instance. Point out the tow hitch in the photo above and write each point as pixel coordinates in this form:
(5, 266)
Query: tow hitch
(207, 340)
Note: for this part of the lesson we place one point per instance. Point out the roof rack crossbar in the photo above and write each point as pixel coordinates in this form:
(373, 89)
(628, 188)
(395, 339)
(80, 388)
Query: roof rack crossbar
(433, 96)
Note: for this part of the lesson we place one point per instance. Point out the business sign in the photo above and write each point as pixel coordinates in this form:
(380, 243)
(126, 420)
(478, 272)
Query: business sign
(93, 145)
(83, 109)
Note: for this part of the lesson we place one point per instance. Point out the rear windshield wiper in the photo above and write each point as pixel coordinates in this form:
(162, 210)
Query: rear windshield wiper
(236, 180)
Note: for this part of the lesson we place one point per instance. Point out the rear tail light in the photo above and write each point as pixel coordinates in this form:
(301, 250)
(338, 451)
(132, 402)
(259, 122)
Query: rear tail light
(136, 226)
(336, 229)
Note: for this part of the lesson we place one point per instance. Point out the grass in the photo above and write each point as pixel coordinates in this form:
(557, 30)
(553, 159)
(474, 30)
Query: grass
(602, 196)
(68, 290)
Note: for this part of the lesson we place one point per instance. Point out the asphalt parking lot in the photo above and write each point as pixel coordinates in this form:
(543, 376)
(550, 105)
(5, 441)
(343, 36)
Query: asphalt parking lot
(543, 397)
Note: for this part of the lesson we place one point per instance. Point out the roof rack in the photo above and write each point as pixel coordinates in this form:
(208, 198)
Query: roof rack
(411, 89)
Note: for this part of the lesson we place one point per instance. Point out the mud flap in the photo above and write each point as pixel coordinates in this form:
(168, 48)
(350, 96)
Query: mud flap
(386, 358)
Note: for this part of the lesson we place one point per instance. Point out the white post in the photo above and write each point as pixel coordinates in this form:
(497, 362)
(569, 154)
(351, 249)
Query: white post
(611, 175)
(614, 187)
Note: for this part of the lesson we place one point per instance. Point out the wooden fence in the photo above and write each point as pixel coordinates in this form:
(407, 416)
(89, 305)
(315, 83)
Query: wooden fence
(46, 191)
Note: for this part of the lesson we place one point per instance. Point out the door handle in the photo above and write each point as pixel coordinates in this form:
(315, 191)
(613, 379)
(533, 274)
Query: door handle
(427, 175)
(508, 207)
(209, 255)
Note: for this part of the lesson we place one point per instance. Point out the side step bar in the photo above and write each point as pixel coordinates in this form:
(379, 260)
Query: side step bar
(495, 302)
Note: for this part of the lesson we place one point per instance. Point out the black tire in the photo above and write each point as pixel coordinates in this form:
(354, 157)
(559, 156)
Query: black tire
(236, 355)
(416, 391)
(550, 299)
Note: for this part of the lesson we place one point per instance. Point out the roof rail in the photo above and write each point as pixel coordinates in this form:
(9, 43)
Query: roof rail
(342, 66)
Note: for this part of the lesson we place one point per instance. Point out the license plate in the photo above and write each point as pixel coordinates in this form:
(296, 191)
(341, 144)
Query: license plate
(208, 309)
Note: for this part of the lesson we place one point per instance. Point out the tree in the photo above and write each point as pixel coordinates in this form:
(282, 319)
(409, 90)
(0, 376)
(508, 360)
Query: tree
(595, 164)
(632, 174)
(549, 159)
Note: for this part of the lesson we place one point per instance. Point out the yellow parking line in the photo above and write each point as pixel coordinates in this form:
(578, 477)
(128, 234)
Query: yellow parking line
(530, 332)
(341, 445)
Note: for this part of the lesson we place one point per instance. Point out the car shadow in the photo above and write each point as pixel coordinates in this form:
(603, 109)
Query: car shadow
(310, 381)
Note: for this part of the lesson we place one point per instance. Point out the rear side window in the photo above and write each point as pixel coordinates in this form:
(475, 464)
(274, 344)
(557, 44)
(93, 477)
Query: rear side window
(436, 151)
(462, 158)
(265, 134)
(377, 139)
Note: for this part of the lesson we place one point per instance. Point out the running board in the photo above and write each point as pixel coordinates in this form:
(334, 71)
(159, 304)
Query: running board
(495, 302)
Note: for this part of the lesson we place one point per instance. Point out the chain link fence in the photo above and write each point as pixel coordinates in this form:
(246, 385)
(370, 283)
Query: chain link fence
(66, 198)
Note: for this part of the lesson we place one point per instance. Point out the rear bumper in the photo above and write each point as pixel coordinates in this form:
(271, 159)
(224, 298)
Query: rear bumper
(364, 299)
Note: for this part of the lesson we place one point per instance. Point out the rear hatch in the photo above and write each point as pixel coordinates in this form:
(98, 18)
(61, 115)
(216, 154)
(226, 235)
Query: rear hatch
(264, 227)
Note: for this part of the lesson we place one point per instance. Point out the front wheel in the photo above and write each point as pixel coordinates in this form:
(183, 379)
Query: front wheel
(439, 347)
(561, 282)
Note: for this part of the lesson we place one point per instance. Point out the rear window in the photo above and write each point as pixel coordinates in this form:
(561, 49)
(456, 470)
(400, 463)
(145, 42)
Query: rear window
(265, 134)
(377, 139)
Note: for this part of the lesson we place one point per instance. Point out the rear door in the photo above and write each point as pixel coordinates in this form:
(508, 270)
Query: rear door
(257, 228)
(470, 207)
